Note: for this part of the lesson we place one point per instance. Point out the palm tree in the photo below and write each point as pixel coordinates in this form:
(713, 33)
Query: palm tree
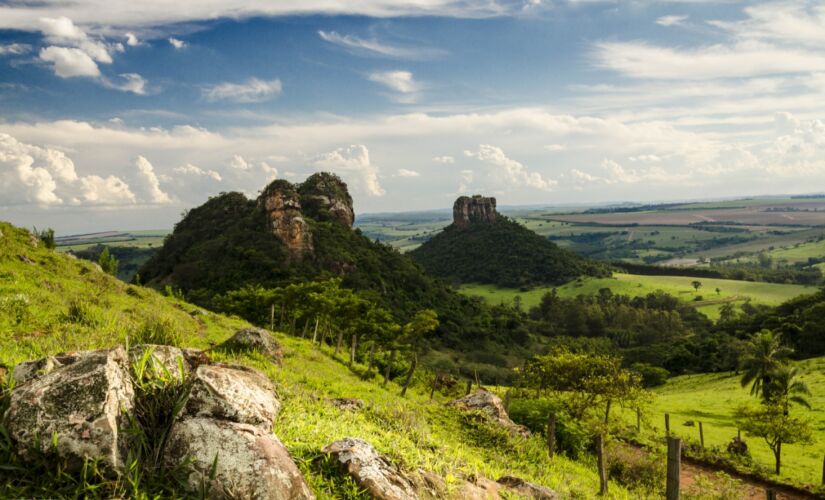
(763, 356)
(785, 388)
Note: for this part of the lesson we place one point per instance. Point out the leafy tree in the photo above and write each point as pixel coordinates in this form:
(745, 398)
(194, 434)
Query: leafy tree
(419, 326)
(47, 237)
(108, 262)
(696, 284)
(585, 381)
(763, 356)
(773, 423)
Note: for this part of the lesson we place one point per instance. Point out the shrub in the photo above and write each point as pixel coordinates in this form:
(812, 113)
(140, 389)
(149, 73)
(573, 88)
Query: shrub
(652, 376)
(634, 468)
(572, 439)
(157, 330)
(80, 313)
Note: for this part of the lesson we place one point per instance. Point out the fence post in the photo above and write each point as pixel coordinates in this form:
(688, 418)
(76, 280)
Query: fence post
(667, 424)
(551, 434)
(701, 435)
(352, 349)
(674, 465)
(638, 420)
(272, 318)
(601, 464)
(507, 402)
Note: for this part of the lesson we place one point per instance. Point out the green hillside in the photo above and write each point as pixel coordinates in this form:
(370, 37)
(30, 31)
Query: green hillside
(54, 303)
(634, 285)
(502, 253)
(712, 398)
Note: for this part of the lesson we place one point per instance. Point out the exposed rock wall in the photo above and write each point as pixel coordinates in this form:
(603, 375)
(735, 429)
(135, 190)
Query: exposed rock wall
(325, 196)
(475, 210)
(283, 208)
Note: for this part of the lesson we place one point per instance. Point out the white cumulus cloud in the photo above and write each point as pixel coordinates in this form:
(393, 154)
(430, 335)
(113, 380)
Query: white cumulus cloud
(353, 163)
(70, 62)
(253, 90)
(176, 43)
(403, 172)
(401, 82)
(510, 171)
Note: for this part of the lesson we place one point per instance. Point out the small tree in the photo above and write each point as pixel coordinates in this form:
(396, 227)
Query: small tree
(47, 237)
(696, 284)
(107, 262)
(413, 334)
(763, 356)
(773, 424)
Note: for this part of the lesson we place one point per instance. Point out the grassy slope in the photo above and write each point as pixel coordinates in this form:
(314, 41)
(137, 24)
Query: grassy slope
(632, 284)
(712, 398)
(36, 320)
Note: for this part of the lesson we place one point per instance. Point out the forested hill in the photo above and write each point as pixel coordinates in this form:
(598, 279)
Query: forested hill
(482, 246)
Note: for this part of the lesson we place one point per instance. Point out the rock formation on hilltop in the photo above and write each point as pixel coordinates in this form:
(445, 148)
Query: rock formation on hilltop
(324, 196)
(475, 210)
(283, 207)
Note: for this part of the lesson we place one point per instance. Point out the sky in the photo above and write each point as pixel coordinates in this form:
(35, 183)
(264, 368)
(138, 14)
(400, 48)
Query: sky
(117, 114)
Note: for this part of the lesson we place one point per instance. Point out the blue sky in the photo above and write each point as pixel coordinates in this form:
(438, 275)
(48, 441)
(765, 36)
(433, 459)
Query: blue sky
(117, 117)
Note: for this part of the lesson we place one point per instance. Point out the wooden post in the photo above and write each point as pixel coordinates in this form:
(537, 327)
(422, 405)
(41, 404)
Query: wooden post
(507, 402)
(315, 333)
(823, 470)
(667, 424)
(551, 434)
(701, 435)
(272, 318)
(638, 419)
(674, 466)
(339, 342)
(388, 368)
(601, 464)
(469, 387)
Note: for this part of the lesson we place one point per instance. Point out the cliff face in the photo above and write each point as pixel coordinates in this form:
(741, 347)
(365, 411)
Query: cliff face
(283, 208)
(475, 210)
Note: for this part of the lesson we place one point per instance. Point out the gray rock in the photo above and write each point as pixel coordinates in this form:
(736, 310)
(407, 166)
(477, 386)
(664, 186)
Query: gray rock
(233, 393)
(251, 461)
(489, 404)
(81, 402)
(527, 489)
(165, 358)
(370, 470)
(475, 210)
(346, 404)
(254, 339)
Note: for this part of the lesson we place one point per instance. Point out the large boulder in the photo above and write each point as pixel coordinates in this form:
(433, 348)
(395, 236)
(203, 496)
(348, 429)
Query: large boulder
(234, 393)
(81, 404)
(370, 470)
(490, 405)
(256, 340)
(527, 489)
(243, 461)
(29, 370)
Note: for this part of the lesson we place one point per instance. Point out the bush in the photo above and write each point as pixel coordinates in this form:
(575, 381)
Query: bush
(157, 330)
(634, 468)
(652, 376)
(572, 439)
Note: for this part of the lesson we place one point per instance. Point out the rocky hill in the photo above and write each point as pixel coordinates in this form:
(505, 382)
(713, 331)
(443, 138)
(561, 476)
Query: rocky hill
(482, 246)
(256, 414)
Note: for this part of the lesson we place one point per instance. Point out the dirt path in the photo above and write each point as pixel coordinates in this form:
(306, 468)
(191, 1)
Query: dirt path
(692, 472)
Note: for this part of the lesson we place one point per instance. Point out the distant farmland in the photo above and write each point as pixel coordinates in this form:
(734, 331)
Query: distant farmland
(758, 216)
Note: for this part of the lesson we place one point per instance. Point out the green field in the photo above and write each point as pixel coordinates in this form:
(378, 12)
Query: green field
(637, 285)
(137, 239)
(712, 398)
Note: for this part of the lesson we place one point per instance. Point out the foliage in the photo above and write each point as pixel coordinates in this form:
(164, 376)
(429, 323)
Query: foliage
(775, 426)
(503, 253)
(107, 262)
(764, 355)
(652, 376)
(129, 259)
(572, 438)
(46, 236)
(634, 468)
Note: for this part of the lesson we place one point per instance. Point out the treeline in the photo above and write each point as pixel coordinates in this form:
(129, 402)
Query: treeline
(741, 272)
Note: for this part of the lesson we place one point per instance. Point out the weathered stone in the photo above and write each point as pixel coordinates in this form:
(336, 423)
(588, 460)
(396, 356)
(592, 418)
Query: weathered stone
(233, 393)
(478, 488)
(527, 489)
(282, 205)
(166, 358)
(475, 210)
(324, 196)
(370, 470)
(489, 404)
(255, 339)
(29, 370)
(431, 485)
(346, 404)
(251, 461)
(82, 403)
